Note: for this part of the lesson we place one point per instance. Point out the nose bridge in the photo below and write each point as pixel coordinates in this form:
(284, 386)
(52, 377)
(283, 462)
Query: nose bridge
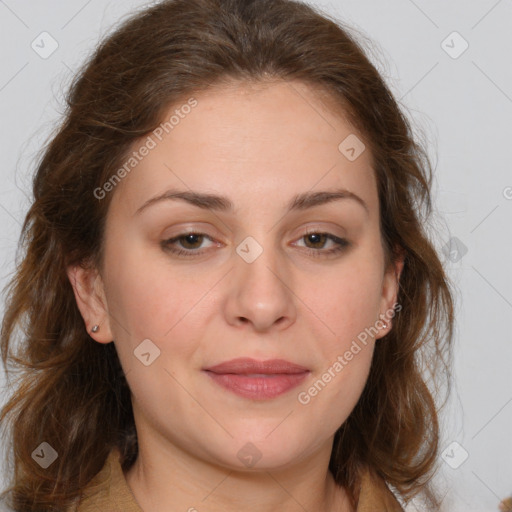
(260, 292)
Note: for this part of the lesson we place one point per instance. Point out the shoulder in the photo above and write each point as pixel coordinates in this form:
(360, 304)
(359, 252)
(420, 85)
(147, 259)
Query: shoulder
(375, 495)
(108, 491)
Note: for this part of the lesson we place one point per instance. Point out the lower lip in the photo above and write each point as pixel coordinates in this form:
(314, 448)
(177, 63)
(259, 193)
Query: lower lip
(258, 388)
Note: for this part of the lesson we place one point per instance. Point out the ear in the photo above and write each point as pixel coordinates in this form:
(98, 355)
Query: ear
(91, 301)
(390, 287)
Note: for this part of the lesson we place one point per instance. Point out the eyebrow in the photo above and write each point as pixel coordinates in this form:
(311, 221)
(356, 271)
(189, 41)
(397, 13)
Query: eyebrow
(223, 204)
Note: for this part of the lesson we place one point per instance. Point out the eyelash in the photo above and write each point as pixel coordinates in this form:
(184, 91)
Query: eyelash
(342, 244)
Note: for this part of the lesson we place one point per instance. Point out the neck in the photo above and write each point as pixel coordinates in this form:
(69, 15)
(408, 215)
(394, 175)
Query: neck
(171, 481)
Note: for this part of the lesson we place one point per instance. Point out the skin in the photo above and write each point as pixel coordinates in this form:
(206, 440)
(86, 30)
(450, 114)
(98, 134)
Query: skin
(259, 146)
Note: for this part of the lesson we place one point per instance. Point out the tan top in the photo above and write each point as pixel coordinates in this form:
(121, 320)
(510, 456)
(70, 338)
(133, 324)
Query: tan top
(108, 491)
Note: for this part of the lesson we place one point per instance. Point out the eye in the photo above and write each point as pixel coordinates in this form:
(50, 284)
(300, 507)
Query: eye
(315, 243)
(189, 243)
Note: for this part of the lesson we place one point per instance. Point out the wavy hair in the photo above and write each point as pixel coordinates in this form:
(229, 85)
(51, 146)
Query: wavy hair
(70, 391)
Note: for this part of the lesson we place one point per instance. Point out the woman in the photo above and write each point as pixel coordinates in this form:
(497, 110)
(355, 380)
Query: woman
(227, 296)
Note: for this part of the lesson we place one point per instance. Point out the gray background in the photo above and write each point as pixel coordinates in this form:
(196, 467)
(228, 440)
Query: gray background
(460, 104)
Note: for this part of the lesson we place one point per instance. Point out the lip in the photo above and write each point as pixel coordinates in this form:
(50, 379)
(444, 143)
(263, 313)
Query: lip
(247, 365)
(258, 380)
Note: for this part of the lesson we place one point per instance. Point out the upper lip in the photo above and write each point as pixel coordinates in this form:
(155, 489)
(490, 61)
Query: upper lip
(246, 365)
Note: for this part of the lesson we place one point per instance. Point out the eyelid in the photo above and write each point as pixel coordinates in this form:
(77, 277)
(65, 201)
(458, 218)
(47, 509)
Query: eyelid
(205, 229)
(330, 229)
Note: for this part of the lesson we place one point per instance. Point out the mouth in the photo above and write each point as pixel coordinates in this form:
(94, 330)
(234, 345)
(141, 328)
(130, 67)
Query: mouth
(257, 380)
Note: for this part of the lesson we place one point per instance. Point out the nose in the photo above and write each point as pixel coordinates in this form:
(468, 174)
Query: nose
(261, 294)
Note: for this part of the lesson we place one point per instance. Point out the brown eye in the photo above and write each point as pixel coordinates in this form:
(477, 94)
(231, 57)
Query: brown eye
(316, 239)
(315, 243)
(185, 244)
(191, 240)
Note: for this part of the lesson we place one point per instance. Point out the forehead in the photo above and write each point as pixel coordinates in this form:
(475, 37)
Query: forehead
(251, 141)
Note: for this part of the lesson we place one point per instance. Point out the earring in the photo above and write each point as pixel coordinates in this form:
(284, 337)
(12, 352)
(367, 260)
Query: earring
(384, 325)
(95, 328)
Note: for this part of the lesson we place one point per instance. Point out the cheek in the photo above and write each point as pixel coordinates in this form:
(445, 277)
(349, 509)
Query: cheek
(352, 309)
(144, 295)
(348, 304)
(150, 299)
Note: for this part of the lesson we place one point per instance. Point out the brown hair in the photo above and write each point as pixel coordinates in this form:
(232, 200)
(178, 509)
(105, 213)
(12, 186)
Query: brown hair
(72, 392)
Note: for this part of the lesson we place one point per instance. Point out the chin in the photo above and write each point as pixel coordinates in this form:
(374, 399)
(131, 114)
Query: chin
(261, 452)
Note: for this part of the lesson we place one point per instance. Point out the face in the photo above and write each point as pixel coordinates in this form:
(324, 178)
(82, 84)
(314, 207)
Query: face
(270, 269)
